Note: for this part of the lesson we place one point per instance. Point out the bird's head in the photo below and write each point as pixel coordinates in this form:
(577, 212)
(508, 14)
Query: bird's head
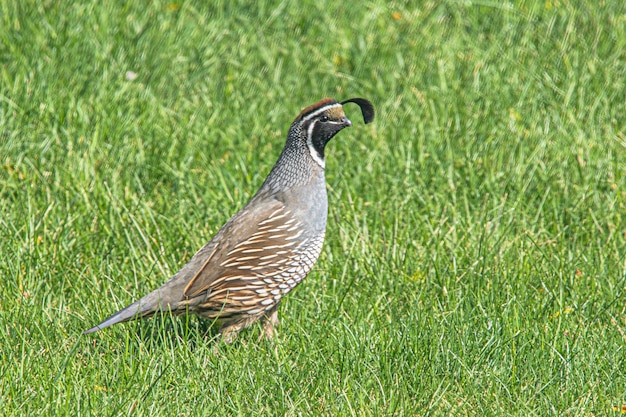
(317, 124)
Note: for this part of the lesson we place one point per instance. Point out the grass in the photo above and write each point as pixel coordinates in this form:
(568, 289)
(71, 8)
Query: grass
(475, 261)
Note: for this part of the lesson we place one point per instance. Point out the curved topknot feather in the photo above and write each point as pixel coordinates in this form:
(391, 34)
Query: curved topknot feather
(367, 109)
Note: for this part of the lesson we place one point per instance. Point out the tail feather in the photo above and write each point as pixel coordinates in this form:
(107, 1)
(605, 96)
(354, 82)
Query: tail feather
(170, 297)
(146, 306)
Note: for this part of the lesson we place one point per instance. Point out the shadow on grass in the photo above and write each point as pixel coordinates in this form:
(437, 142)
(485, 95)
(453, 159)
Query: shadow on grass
(165, 330)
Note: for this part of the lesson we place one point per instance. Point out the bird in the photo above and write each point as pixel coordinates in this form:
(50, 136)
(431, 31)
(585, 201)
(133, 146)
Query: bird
(268, 247)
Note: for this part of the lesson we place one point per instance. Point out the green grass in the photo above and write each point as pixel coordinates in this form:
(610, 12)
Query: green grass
(475, 261)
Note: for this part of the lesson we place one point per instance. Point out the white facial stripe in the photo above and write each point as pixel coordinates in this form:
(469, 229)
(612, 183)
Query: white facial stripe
(318, 111)
(309, 141)
(309, 137)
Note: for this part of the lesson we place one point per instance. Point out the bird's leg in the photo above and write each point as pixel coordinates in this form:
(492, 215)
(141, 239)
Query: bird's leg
(270, 320)
(228, 333)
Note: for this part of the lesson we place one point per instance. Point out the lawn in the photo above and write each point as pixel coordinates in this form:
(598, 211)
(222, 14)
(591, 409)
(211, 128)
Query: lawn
(475, 259)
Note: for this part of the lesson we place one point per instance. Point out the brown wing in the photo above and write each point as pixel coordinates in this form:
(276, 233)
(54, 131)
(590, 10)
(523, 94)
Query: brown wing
(251, 252)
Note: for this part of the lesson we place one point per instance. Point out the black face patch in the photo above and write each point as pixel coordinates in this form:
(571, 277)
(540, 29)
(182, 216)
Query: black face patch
(321, 131)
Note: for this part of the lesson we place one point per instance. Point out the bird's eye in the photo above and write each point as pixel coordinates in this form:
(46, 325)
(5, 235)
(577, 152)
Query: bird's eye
(324, 118)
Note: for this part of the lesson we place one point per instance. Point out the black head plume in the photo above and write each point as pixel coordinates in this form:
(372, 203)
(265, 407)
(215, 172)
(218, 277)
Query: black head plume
(366, 108)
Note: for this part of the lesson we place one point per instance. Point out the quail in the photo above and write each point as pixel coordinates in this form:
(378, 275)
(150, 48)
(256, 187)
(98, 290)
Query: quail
(265, 249)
